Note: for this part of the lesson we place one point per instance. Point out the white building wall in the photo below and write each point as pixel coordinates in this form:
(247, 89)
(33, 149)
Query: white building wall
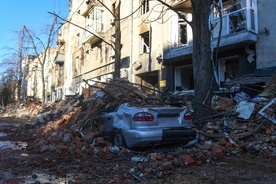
(34, 80)
(266, 45)
(68, 76)
(153, 22)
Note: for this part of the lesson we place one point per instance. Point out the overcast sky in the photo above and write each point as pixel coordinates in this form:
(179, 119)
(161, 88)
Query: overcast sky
(32, 13)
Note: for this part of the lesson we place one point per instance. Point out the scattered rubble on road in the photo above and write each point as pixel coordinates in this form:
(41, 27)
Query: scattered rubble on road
(239, 124)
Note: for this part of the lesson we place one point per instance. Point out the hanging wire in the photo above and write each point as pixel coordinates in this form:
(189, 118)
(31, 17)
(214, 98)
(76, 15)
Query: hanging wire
(216, 5)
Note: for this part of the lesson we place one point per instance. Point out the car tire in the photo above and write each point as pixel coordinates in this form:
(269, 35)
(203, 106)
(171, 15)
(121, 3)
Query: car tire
(119, 140)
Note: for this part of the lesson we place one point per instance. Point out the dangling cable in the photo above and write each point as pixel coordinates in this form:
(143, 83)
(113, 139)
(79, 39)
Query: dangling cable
(216, 5)
(211, 28)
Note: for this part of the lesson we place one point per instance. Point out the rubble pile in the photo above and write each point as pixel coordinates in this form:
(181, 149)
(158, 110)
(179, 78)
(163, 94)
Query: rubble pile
(243, 124)
(241, 128)
(72, 125)
(238, 125)
(28, 111)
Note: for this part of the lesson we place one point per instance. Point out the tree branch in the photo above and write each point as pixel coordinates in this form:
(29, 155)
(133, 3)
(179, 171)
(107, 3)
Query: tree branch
(82, 29)
(176, 11)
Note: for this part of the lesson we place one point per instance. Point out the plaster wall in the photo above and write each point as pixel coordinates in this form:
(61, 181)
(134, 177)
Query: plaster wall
(266, 44)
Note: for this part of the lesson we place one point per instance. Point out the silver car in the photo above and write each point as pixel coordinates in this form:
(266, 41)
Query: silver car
(143, 126)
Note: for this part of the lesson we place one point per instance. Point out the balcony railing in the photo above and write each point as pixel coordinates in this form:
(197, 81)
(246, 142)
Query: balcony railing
(235, 20)
(97, 29)
(59, 59)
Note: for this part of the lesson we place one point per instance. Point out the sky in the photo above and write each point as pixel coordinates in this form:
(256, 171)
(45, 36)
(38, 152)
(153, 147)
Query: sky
(31, 13)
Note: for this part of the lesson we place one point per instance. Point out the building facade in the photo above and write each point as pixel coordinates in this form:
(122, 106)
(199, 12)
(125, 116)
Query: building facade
(157, 44)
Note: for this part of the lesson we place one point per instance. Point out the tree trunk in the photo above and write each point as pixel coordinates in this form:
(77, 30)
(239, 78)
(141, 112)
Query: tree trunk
(19, 89)
(202, 65)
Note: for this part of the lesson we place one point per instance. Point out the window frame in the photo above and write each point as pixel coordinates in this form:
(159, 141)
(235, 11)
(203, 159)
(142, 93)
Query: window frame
(144, 42)
(95, 20)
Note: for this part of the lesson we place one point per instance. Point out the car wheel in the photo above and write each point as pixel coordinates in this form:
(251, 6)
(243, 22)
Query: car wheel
(119, 140)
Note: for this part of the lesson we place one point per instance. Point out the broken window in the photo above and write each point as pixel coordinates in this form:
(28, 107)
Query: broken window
(237, 18)
(228, 69)
(184, 79)
(145, 7)
(96, 50)
(183, 38)
(145, 42)
(236, 14)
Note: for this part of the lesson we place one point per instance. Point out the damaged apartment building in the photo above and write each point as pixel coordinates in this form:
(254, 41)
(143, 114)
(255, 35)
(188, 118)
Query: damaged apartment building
(157, 45)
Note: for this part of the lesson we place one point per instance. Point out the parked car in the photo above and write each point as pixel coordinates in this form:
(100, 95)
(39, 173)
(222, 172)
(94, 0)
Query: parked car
(142, 126)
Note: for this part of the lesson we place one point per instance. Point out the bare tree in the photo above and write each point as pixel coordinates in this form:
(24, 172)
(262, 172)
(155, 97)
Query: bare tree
(43, 52)
(7, 88)
(13, 62)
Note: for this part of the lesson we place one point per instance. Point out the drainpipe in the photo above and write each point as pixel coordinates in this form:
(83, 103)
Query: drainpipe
(131, 44)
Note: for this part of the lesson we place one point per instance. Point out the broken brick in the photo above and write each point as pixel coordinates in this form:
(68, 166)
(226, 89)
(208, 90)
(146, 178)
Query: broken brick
(100, 140)
(59, 171)
(159, 157)
(268, 131)
(62, 147)
(188, 159)
(167, 165)
(78, 151)
(123, 151)
(170, 157)
(108, 157)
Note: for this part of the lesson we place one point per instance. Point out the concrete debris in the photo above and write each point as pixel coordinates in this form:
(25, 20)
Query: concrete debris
(245, 109)
(72, 126)
(268, 111)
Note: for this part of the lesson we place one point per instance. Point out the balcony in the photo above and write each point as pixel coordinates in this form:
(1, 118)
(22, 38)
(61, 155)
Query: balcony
(94, 25)
(94, 34)
(239, 25)
(92, 38)
(88, 5)
(59, 59)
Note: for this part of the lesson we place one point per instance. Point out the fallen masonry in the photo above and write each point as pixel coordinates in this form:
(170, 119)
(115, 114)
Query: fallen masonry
(239, 125)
